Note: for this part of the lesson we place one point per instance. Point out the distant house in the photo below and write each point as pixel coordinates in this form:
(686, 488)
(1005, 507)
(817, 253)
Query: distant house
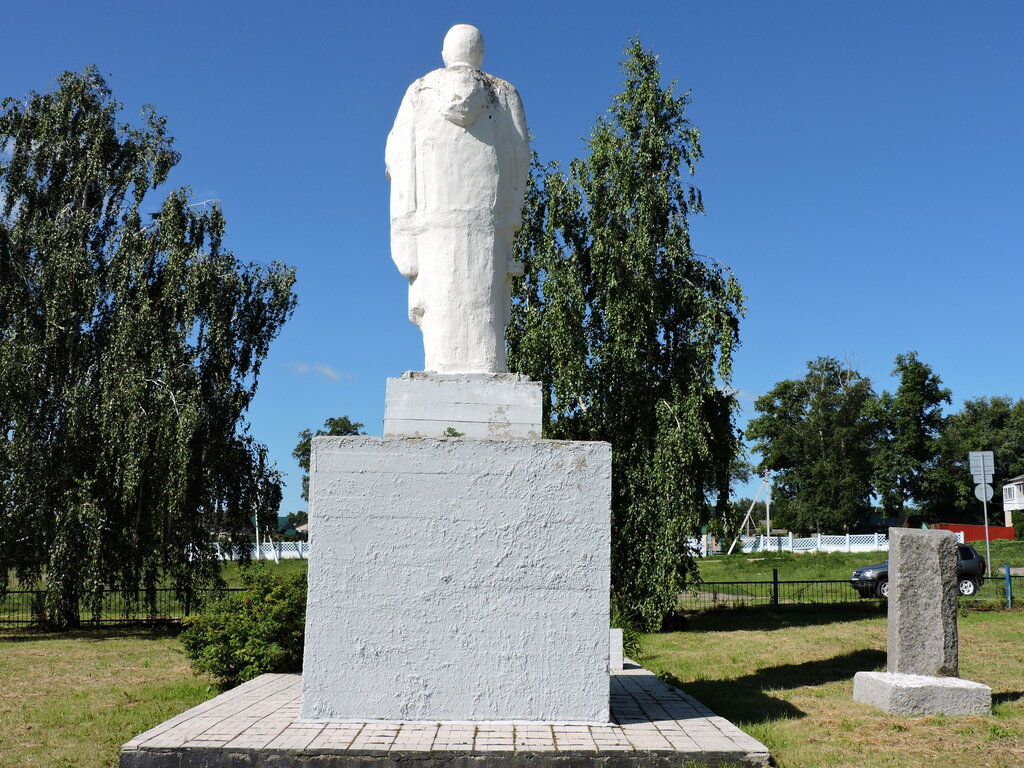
(1013, 497)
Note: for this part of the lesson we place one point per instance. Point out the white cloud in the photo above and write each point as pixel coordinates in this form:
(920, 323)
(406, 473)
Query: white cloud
(324, 370)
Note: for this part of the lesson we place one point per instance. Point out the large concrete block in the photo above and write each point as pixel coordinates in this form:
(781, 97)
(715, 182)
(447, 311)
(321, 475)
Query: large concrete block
(457, 579)
(477, 405)
(922, 602)
(921, 694)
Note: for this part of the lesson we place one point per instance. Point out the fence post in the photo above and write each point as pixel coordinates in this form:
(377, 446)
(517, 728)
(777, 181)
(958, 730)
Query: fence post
(848, 549)
(775, 587)
(819, 543)
(790, 541)
(1009, 587)
(876, 541)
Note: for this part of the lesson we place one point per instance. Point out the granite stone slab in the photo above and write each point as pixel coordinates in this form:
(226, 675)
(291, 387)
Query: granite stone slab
(921, 694)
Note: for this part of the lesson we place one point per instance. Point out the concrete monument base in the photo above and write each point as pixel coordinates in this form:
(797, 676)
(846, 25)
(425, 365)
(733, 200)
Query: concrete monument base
(458, 579)
(900, 694)
(256, 725)
(473, 404)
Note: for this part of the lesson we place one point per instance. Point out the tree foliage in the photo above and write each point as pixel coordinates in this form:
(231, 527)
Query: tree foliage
(909, 425)
(130, 348)
(983, 424)
(816, 434)
(631, 332)
(339, 426)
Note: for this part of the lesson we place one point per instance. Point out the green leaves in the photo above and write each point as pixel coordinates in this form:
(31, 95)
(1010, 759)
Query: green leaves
(631, 332)
(340, 425)
(130, 352)
(817, 434)
(256, 631)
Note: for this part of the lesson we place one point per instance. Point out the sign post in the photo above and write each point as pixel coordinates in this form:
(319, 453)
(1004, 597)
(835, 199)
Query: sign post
(982, 465)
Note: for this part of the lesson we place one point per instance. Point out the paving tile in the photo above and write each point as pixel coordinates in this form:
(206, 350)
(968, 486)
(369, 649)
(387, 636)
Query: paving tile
(648, 716)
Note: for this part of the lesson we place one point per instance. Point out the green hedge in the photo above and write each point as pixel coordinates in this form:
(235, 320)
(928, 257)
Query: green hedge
(255, 631)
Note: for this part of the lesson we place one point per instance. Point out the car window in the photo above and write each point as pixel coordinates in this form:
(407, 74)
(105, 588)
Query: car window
(966, 553)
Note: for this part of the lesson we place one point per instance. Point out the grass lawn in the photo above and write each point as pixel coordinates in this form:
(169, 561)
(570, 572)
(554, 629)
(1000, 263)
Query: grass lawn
(824, 565)
(231, 572)
(787, 679)
(71, 700)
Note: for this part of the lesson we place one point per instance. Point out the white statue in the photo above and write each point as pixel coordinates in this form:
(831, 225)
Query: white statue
(458, 160)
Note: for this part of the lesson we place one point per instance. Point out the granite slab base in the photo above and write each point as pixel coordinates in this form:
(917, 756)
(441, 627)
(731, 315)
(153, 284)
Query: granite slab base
(900, 694)
(257, 725)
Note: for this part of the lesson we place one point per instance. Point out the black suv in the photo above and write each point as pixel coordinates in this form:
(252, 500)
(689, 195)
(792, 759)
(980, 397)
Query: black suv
(873, 580)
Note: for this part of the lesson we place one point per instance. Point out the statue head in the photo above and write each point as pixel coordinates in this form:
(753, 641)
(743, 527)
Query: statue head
(463, 46)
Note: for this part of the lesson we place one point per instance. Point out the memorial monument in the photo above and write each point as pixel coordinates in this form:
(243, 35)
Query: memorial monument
(458, 578)
(457, 611)
(458, 160)
(923, 659)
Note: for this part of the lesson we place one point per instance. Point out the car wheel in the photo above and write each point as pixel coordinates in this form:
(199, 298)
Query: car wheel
(967, 587)
(882, 590)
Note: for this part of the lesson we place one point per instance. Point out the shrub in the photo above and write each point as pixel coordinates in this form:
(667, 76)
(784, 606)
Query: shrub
(252, 632)
(1018, 524)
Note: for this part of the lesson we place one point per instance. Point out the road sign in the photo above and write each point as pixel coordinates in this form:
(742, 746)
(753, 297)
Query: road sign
(982, 462)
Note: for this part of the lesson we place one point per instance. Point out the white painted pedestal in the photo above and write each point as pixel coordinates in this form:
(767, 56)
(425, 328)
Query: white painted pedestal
(458, 579)
(473, 404)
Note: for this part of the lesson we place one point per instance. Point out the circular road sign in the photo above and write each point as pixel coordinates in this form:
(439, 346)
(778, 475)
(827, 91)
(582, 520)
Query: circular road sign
(983, 492)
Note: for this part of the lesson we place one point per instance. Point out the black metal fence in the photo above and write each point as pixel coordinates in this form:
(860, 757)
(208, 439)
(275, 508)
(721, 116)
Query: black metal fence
(20, 608)
(712, 595)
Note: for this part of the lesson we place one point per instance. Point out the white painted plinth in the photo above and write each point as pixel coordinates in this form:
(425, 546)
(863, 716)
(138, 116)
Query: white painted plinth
(900, 694)
(475, 404)
(458, 579)
(615, 650)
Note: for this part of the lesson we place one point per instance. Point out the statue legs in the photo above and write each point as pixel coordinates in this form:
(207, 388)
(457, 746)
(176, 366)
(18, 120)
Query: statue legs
(458, 300)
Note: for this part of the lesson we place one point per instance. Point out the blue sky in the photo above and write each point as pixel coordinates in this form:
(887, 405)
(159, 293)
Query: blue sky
(863, 174)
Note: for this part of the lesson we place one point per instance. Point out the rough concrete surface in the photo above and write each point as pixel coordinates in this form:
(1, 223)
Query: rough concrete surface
(256, 726)
(458, 579)
(615, 650)
(921, 694)
(477, 405)
(922, 602)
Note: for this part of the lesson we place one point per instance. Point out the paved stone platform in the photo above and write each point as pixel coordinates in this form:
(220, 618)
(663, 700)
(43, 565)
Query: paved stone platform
(257, 724)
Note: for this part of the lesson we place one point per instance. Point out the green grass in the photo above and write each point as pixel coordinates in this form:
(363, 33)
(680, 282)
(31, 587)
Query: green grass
(231, 570)
(787, 679)
(823, 565)
(71, 700)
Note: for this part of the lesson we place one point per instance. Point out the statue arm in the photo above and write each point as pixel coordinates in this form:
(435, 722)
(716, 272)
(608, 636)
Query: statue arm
(400, 169)
(520, 165)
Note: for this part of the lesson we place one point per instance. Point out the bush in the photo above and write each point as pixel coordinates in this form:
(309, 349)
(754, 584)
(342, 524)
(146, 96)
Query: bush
(255, 631)
(1018, 524)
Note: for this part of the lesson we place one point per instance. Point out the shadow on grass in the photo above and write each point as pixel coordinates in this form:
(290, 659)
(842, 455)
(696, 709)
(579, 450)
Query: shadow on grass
(1007, 697)
(141, 631)
(745, 699)
(783, 617)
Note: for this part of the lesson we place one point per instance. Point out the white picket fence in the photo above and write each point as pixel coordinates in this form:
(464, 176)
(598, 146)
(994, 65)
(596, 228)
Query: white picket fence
(268, 550)
(856, 542)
